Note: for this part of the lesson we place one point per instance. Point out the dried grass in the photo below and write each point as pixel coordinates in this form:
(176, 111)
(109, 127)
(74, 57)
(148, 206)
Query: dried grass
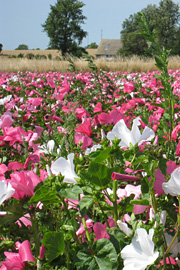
(133, 64)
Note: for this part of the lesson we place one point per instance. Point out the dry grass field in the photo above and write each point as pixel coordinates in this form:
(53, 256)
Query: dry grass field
(133, 64)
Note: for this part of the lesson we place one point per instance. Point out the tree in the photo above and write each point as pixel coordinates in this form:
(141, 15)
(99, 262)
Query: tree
(133, 42)
(22, 47)
(164, 20)
(168, 23)
(93, 45)
(63, 26)
(1, 46)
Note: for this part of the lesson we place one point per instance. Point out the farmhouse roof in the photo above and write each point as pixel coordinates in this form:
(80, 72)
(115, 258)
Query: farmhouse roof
(108, 47)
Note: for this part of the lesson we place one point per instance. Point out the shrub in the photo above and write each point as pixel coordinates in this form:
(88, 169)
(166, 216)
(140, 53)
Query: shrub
(20, 55)
(50, 56)
(30, 56)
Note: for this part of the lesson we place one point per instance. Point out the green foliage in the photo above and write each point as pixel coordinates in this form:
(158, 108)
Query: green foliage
(1, 46)
(22, 47)
(133, 44)
(54, 244)
(91, 64)
(163, 19)
(105, 257)
(40, 56)
(30, 56)
(63, 26)
(20, 55)
(93, 45)
(49, 56)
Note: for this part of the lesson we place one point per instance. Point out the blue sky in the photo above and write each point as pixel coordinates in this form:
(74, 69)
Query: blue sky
(21, 20)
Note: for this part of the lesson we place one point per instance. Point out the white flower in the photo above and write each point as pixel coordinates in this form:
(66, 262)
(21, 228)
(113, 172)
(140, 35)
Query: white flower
(6, 191)
(92, 149)
(175, 249)
(3, 100)
(140, 253)
(172, 187)
(66, 168)
(124, 227)
(120, 131)
(49, 148)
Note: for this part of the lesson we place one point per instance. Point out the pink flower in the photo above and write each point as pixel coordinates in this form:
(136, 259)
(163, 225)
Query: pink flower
(100, 229)
(175, 132)
(98, 107)
(81, 231)
(85, 128)
(172, 261)
(14, 134)
(42, 252)
(84, 139)
(81, 112)
(6, 120)
(124, 177)
(16, 261)
(24, 182)
(128, 87)
(26, 220)
(14, 165)
(178, 149)
(104, 118)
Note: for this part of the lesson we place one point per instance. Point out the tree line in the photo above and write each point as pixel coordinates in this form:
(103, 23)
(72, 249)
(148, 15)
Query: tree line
(63, 26)
(164, 21)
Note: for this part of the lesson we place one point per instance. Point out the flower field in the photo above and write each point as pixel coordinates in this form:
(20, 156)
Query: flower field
(89, 170)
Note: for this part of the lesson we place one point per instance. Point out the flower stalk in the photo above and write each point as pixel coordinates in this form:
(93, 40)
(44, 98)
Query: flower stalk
(115, 201)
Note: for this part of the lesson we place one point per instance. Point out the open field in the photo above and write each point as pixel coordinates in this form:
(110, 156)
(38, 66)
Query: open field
(133, 64)
(81, 157)
(54, 53)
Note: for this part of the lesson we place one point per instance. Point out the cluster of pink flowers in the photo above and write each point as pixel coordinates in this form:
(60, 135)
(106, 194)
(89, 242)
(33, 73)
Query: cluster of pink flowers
(36, 105)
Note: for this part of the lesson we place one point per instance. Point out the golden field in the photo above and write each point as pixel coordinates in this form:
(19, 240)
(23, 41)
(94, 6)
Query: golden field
(133, 64)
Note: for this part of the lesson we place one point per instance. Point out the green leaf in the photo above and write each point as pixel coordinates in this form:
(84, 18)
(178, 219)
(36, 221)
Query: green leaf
(72, 192)
(162, 165)
(44, 195)
(85, 204)
(105, 257)
(140, 202)
(54, 244)
(14, 212)
(103, 155)
(159, 62)
(100, 173)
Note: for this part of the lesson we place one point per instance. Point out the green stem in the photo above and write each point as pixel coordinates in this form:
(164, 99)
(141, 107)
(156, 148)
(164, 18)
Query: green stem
(105, 217)
(67, 257)
(153, 199)
(172, 242)
(69, 216)
(35, 233)
(86, 230)
(164, 257)
(115, 201)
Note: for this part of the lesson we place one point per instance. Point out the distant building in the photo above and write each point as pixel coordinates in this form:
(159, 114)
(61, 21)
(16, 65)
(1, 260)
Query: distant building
(108, 48)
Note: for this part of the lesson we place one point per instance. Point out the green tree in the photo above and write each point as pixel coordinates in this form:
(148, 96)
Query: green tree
(133, 42)
(164, 20)
(167, 22)
(1, 46)
(22, 47)
(93, 45)
(63, 26)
